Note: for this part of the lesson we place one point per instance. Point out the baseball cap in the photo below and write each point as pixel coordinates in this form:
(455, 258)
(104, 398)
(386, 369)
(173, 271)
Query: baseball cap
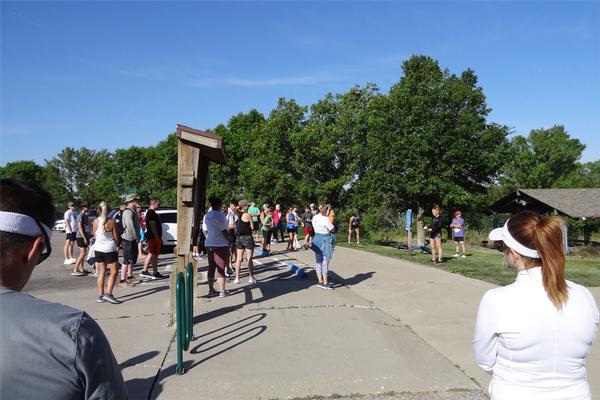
(457, 213)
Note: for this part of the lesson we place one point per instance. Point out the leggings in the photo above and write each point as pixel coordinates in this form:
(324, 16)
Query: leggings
(322, 264)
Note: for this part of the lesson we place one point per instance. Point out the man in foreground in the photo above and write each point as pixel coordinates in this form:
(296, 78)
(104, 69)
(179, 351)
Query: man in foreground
(49, 351)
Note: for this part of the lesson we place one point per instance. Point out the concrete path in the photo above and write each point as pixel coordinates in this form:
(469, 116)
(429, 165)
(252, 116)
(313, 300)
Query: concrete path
(389, 330)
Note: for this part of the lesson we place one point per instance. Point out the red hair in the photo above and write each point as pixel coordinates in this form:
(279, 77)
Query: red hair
(545, 235)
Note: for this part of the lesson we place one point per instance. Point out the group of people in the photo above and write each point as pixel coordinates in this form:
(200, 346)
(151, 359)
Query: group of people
(532, 336)
(231, 235)
(121, 230)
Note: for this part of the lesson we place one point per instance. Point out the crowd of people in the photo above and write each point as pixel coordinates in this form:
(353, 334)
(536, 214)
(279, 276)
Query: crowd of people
(121, 230)
(230, 236)
(532, 336)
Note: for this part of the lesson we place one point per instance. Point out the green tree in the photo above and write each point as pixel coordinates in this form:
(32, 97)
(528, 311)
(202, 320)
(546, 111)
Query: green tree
(542, 159)
(24, 170)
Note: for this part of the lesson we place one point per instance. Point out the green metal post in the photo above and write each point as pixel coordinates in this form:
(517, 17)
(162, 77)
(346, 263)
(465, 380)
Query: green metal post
(180, 304)
(189, 288)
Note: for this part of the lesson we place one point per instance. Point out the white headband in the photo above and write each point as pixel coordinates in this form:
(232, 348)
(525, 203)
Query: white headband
(504, 235)
(21, 224)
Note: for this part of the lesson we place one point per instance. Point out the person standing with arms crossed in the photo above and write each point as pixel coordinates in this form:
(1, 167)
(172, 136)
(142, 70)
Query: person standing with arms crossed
(533, 335)
(278, 223)
(354, 226)
(154, 238)
(217, 246)
(244, 242)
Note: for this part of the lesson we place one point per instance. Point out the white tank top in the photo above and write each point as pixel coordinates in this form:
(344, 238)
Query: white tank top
(105, 243)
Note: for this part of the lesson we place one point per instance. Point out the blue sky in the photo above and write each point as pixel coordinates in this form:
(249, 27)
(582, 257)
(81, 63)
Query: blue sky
(113, 74)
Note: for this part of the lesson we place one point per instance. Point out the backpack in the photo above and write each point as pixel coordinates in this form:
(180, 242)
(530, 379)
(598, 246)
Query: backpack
(118, 218)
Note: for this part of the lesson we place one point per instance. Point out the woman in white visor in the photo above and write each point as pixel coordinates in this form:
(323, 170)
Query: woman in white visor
(533, 335)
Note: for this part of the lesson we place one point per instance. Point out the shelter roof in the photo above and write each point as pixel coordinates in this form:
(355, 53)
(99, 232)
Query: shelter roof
(574, 203)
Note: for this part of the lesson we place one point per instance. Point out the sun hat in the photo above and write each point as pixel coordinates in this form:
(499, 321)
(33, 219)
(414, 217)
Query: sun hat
(131, 197)
(502, 234)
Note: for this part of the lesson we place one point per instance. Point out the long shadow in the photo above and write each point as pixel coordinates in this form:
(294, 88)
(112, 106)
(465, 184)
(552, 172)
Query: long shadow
(140, 358)
(143, 293)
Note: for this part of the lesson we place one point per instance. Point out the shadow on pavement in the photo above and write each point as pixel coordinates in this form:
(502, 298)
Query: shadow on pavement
(136, 295)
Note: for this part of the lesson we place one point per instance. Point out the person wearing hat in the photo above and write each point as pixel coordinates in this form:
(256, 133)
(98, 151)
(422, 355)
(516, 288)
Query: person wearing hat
(533, 335)
(49, 350)
(70, 217)
(130, 236)
(83, 236)
(458, 232)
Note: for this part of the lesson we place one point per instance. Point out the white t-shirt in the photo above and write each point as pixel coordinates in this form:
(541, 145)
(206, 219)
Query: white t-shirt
(215, 223)
(71, 219)
(104, 243)
(533, 350)
(321, 224)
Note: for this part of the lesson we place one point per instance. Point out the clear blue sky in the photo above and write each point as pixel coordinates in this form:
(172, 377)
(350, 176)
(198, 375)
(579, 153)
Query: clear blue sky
(110, 74)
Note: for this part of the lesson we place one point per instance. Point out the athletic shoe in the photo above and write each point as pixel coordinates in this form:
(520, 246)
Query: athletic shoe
(252, 281)
(111, 299)
(77, 273)
(213, 293)
(464, 256)
(145, 274)
(95, 273)
(236, 280)
(67, 261)
(100, 299)
(86, 272)
(224, 294)
(158, 275)
(72, 260)
(324, 286)
(456, 255)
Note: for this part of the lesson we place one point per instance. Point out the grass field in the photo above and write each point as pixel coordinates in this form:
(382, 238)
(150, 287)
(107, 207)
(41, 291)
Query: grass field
(486, 264)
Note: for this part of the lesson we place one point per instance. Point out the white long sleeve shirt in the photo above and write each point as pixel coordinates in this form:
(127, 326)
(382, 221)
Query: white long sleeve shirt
(533, 350)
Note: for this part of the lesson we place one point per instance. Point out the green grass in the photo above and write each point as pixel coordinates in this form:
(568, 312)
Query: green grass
(486, 264)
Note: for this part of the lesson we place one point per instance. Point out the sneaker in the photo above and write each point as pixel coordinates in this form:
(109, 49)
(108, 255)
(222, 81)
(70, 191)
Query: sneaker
(130, 278)
(94, 274)
(456, 255)
(111, 299)
(224, 294)
(324, 286)
(213, 293)
(77, 273)
(86, 272)
(158, 275)
(145, 274)
(67, 261)
(252, 281)
(236, 280)
(121, 283)
(72, 260)
(100, 299)
(464, 256)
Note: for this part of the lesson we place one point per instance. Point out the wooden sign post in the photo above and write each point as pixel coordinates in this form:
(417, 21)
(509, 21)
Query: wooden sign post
(195, 149)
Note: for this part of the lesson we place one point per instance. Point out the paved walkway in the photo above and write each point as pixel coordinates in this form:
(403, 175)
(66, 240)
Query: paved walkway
(390, 330)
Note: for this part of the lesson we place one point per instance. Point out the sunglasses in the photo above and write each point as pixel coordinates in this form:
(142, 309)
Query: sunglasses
(500, 246)
(47, 247)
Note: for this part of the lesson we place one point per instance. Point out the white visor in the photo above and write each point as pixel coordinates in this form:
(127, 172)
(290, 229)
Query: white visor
(21, 224)
(502, 234)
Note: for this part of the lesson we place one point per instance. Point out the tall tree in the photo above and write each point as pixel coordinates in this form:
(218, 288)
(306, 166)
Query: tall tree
(542, 159)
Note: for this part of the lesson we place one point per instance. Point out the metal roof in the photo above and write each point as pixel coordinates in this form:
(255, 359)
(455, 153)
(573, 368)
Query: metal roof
(574, 203)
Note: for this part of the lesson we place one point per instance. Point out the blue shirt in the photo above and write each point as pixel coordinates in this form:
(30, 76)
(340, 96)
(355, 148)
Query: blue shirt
(458, 232)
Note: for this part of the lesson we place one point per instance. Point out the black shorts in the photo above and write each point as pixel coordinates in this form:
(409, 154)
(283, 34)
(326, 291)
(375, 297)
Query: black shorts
(71, 236)
(459, 239)
(107, 258)
(244, 242)
(130, 251)
(256, 226)
(81, 243)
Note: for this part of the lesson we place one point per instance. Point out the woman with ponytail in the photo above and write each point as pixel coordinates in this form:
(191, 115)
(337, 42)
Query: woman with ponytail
(533, 336)
(105, 253)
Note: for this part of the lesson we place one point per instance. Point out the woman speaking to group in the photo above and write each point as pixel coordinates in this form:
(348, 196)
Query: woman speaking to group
(534, 334)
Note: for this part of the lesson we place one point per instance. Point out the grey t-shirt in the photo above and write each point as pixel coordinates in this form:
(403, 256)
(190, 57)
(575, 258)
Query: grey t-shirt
(51, 351)
(131, 223)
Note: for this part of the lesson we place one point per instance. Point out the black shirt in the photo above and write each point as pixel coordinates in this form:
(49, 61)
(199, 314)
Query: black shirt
(151, 215)
(436, 227)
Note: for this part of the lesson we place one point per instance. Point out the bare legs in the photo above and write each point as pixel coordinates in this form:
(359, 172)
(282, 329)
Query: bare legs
(436, 244)
(238, 262)
(112, 279)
